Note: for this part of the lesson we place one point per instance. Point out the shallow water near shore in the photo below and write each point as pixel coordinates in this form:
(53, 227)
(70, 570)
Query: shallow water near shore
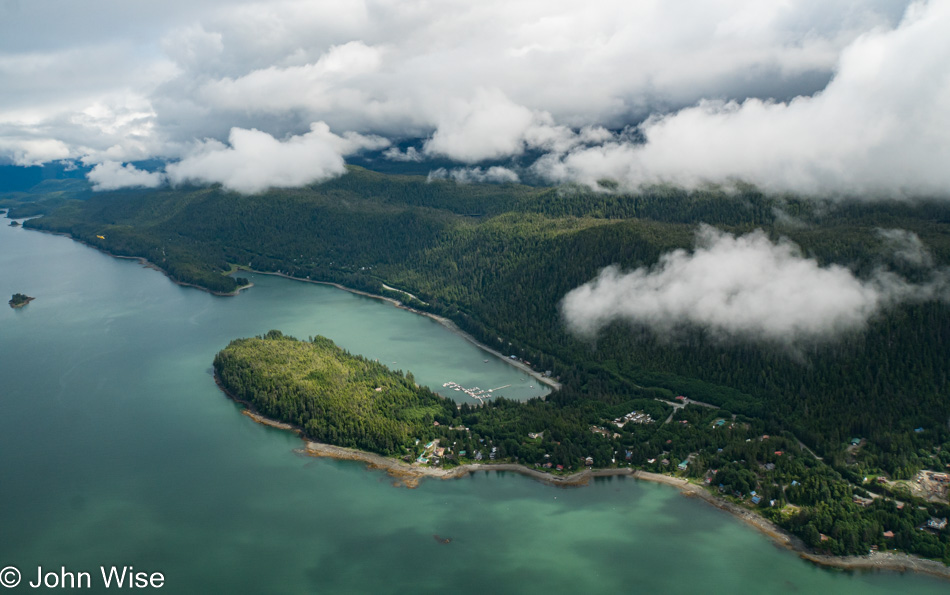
(117, 448)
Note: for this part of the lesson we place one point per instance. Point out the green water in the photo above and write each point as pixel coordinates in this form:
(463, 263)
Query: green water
(116, 448)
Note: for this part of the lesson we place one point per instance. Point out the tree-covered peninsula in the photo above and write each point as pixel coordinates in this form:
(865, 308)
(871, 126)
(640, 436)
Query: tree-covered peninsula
(333, 396)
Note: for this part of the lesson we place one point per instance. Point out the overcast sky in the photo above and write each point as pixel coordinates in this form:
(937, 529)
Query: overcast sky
(848, 97)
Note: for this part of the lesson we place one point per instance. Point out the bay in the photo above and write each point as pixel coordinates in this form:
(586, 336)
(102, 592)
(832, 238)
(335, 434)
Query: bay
(117, 448)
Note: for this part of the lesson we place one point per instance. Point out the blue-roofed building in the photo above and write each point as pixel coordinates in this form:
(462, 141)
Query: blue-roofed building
(756, 499)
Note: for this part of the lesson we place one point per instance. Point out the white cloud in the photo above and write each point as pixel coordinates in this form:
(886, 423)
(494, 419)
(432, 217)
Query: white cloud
(34, 151)
(111, 175)
(745, 288)
(409, 155)
(490, 126)
(880, 128)
(496, 79)
(468, 175)
(316, 86)
(254, 161)
(907, 247)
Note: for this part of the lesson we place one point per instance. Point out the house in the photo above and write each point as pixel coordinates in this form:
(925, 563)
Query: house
(560, 467)
(855, 441)
(681, 399)
(918, 430)
(938, 524)
(535, 435)
(756, 499)
(682, 466)
(440, 452)
(888, 534)
(589, 461)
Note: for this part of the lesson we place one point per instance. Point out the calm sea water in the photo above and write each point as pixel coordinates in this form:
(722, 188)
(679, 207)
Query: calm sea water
(116, 448)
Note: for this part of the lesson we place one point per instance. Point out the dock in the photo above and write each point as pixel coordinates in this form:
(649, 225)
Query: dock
(477, 393)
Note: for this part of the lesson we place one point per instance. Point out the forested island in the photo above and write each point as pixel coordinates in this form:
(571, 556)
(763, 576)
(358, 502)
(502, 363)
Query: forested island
(828, 442)
(19, 300)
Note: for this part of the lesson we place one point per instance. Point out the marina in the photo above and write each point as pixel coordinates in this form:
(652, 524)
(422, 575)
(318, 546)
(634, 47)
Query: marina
(477, 393)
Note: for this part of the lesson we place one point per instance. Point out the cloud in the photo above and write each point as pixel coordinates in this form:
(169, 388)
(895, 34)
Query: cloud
(407, 69)
(468, 175)
(907, 247)
(111, 175)
(741, 288)
(807, 96)
(411, 154)
(315, 86)
(881, 128)
(254, 161)
(34, 151)
(490, 126)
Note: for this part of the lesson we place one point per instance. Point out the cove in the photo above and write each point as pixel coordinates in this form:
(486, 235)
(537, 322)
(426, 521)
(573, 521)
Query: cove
(117, 449)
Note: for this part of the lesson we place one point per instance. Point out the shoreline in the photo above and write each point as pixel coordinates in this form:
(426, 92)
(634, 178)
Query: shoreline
(447, 323)
(144, 262)
(410, 475)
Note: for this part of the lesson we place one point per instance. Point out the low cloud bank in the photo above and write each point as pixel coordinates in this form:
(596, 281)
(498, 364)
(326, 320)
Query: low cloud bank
(111, 175)
(469, 175)
(741, 288)
(254, 161)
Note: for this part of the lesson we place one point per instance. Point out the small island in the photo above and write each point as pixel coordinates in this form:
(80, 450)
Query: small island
(19, 300)
(14, 223)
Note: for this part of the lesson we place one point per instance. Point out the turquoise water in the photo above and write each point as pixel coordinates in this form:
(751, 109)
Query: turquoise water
(116, 448)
